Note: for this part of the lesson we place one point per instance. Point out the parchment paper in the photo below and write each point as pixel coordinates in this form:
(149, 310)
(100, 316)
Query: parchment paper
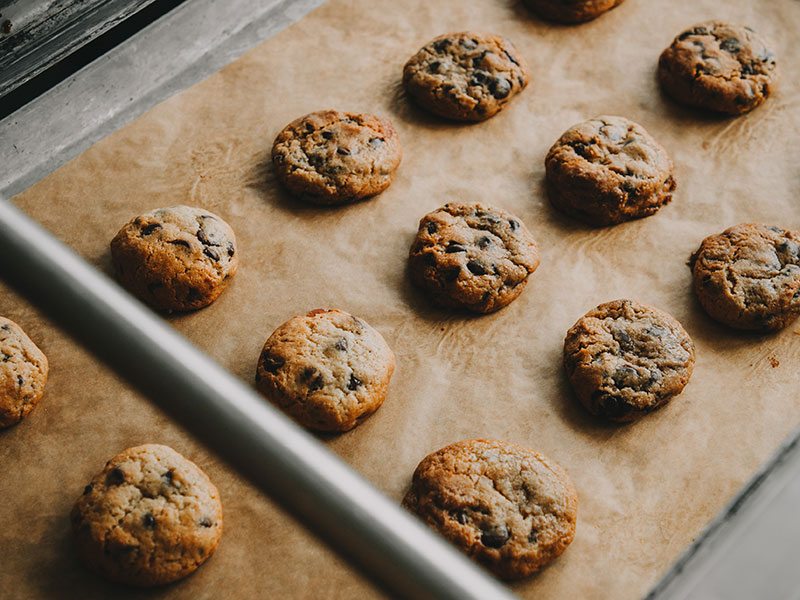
(646, 490)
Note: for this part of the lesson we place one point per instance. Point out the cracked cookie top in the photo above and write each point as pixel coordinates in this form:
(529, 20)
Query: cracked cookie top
(473, 256)
(748, 276)
(720, 66)
(150, 517)
(23, 373)
(607, 170)
(625, 359)
(571, 11)
(330, 157)
(466, 76)
(328, 369)
(176, 258)
(507, 506)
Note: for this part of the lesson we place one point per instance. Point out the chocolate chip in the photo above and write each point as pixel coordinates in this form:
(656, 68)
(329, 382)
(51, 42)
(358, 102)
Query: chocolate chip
(623, 339)
(115, 477)
(629, 187)
(533, 536)
(354, 382)
(433, 66)
(469, 44)
(309, 127)
(231, 249)
(180, 243)
(695, 31)
(625, 376)
(271, 364)
(511, 58)
(341, 344)
(166, 478)
(500, 87)
(476, 268)
(328, 135)
(376, 142)
(307, 374)
(454, 247)
(344, 151)
(211, 253)
(148, 521)
(451, 274)
(20, 380)
(513, 224)
(441, 45)
(6, 357)
(749, 68)
(495, 537)
(731, 45)
(149, 229)
(88, 489)
(5, 328)
(484, 242)
(479, 78)
(205, 522)
(316, 384)
(609, 405)
(432, 227)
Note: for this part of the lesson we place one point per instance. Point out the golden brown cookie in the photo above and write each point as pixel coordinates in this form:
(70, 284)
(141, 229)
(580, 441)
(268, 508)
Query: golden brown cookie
(472, 256)
(330, 157)
(23, 373)
(467, 76)
(177, 258)
(571, 11)
(507, 506)
(608, 170)
(748, 276)
(150, 517)
(328, 370)
(626, 359)
(724, 67)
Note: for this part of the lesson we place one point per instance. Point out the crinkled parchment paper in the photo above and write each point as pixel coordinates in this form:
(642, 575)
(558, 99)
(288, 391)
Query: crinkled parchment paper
(646, 490)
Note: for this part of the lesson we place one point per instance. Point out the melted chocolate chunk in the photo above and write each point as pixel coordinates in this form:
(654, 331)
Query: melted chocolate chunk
(183, 243)
(476, 268)
(731, 45)
(432, 227)
(149, 229)
(211, 253)
(441, 45)
(459, 515)
(273, 363)
(206, 522)
(495, 537)
(148, 521)
(166, 478)
(344, 151)
(230, 249)
(513, 224)
(354, 382)
(454, 247)
(500, 87)
(328, 135)
(115, 477)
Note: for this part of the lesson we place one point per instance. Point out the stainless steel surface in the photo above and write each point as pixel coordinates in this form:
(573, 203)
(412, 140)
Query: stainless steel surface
(391, 548)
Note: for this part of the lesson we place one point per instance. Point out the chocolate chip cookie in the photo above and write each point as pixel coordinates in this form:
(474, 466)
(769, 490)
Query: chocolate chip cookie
(506, 506)
(328, 370)
(330, 157)
(466, 76)
(177, 258)
(626, 359)
(571, 11)
(748, 276)
(724, 67)
(23, 373)
(150, 517)
(608, 170)
(472, 256)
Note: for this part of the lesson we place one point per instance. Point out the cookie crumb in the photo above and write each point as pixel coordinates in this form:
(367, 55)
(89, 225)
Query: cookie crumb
(774, 361)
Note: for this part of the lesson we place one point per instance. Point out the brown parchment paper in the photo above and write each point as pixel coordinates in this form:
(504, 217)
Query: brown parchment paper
(646, 490)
